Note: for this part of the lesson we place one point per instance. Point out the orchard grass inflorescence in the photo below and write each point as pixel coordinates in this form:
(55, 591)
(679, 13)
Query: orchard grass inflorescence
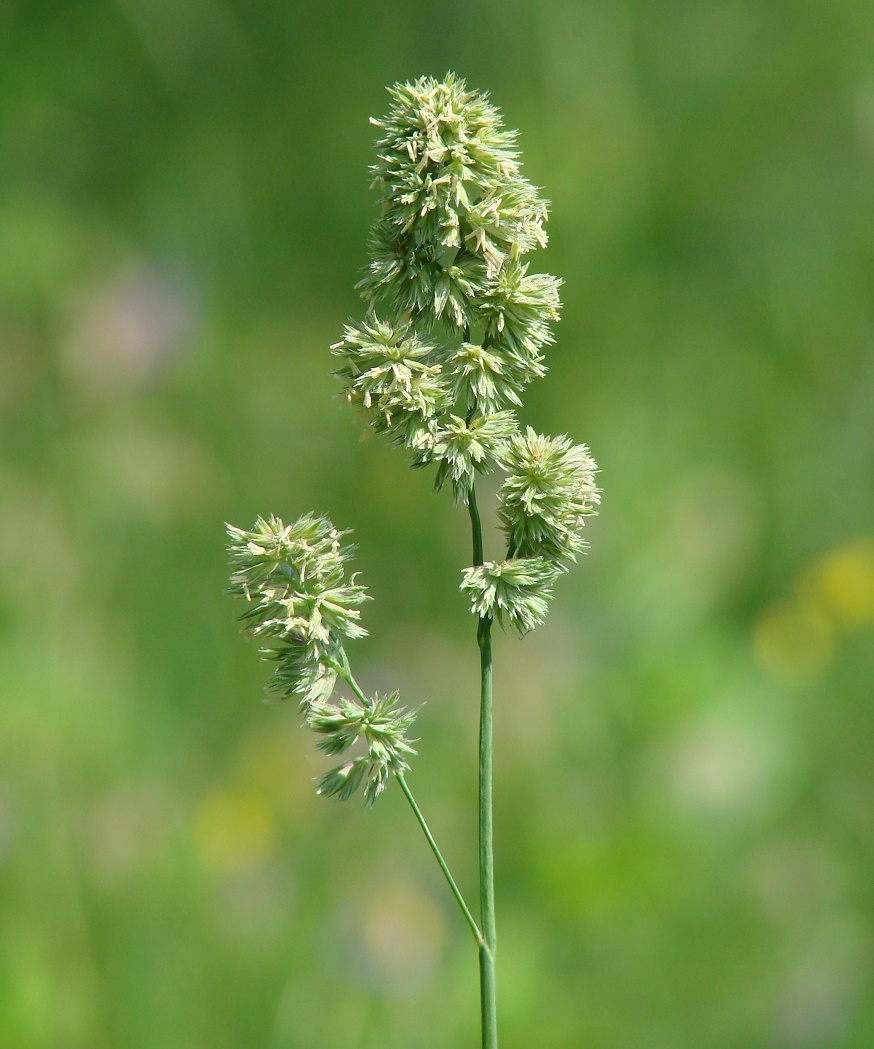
(455, 329)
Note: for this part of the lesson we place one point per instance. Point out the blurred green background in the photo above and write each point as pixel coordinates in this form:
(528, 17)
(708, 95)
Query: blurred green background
(684, 775)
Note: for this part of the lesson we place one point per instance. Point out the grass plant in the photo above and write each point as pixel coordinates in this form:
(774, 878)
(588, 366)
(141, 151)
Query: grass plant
(455, 329)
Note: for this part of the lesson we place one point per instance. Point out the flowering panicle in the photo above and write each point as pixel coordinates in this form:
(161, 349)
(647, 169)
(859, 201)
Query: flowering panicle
(456, 328)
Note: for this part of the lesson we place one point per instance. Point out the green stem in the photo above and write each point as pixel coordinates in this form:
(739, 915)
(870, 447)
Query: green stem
(346, 674)
(476, 527)
(488, 998)
(465, 910)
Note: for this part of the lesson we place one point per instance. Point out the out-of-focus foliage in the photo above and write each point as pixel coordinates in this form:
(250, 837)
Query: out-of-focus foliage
(685, 842)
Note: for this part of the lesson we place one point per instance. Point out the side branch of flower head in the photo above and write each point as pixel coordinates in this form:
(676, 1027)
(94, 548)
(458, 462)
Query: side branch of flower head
(300, 603)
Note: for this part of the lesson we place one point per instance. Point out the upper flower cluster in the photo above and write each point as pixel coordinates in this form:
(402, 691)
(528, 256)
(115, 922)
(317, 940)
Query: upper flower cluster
(457, 324)
(456, 329)
(455, 206)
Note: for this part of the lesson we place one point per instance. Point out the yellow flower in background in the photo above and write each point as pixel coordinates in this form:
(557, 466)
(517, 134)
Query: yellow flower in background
(794, 639)
(842, 582)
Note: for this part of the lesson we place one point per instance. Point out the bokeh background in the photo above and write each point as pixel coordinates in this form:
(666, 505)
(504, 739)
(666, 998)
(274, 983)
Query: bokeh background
(684, 776)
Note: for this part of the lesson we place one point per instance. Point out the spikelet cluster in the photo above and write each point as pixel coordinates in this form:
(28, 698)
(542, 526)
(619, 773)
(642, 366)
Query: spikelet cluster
(462, 448)
(456, 328)
(455, 206)
(300, 604)
(382, 724)
(392, 375)
(548, 492)
(298, 600)
(516, 592)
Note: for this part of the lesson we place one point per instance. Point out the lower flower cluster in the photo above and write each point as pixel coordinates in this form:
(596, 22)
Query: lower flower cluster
(293, 580)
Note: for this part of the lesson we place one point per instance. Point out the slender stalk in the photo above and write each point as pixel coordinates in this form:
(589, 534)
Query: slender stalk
(488, 1000)
(346, 674)
(476, 527)
(474, 928)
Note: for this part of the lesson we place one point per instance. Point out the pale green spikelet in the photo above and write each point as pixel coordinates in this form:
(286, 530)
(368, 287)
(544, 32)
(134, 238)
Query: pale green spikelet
(548, 493)
(517, 313)
(463, 448)
(299, 672)
(389, 373)
(344, 780)
(515, 592)
(293, 579)
(383, 726)
(480, 380)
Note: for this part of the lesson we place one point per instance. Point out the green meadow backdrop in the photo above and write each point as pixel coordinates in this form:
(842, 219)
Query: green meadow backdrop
(684, 771)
